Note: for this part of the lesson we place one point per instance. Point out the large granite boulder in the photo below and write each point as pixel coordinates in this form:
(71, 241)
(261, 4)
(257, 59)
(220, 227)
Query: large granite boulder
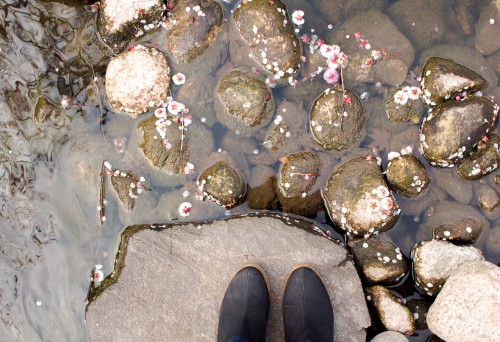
(434, 261)
(169, 280)
(468, 306)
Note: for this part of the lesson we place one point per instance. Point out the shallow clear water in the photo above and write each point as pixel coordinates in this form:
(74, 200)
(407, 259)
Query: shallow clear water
(50, 237)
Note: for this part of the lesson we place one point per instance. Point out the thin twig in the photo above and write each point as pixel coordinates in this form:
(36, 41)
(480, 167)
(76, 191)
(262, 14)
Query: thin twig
(343, 96)
(304, 174)
(138, 184)
(101, 193)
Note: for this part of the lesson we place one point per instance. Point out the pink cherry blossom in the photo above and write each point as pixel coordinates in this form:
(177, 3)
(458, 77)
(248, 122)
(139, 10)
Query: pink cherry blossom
(298, 17)
(331, 76)
(179, 78)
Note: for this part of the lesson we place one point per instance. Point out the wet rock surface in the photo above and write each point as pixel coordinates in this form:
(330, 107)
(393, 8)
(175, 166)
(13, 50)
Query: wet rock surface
(482, 161)
(463, 55)
(395, 316)
(358, 200)
(444, 79)
(174, 293)
(120, 21)
(434, 261)
(381, 34)
(165, 152)
(194, 25)
(45, 111)
(246, 98)
(404, 104)
(419, 307)
(407, 176)
(330, 127)
(488, 198)
(380, 261)
(453, 129)
(464, 230)
(296, 184)
(488, 28)
(261, 193)
(138, 81)
(267, 28)
(430, 16)
(222, 183)
(470, 298)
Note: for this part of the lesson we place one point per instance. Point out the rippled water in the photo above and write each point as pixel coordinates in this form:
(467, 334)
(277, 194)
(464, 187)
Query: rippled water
(50, 237)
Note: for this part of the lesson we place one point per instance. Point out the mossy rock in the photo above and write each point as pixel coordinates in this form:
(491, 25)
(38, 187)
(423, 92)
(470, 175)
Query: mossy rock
(330, 128)
(267, 28)
(407, 176)
(192, 31)
(452, 130)
(222, 183)
(247, 98)
(482, 161)
(444, 79)
(407, 109)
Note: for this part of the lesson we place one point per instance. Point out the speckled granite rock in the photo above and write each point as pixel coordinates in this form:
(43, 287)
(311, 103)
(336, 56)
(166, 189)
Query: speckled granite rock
(169, 276)
(138, 80)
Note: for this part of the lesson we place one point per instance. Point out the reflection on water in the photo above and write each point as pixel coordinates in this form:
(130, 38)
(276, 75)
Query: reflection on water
(50, 165)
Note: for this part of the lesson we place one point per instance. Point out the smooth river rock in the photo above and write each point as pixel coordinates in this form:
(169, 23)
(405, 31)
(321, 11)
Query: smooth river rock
(468, 306)
(482, 161)
(451, 130)
(488, 28)
(195, 24)
(170, 280)
(358, 200)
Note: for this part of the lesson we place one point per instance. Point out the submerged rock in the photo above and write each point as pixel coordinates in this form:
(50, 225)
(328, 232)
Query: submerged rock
(488, 28)
(470, 298)
(488, 198)
(404, 104)
(380, 33)
(138, 80)
(435, 260)
(444, 79)
(267, 28)
(407, 176)
(427, 23)
(380, 261)
(298, 192)
(464, 230)
(45, 111)
(261, 192)
(395, 316)
(195, 24)
(482, 161)
(336, 121)
(222, 183)
(358, 200)
(125, 185)
(119, 21)
(246, 98)
(451, 130)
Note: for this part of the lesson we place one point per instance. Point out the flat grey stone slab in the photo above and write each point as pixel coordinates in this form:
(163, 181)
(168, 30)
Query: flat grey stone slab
(171, 279)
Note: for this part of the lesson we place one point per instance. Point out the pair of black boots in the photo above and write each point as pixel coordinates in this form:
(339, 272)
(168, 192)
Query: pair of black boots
(307, 308)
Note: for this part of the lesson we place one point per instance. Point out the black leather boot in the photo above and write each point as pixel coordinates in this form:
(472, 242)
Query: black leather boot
(307, 308)
(245, 306)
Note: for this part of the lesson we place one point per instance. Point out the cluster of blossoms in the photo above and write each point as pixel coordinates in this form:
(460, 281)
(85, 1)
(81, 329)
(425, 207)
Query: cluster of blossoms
(407, 93)
(174, 108)
(375, 54)
(196, 9)
(382, 203)
(335, 58)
